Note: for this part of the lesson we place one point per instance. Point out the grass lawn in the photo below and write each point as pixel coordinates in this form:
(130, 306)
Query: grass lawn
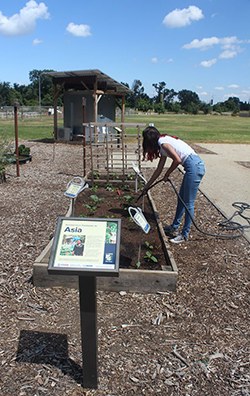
(33, 129)
(200, 129)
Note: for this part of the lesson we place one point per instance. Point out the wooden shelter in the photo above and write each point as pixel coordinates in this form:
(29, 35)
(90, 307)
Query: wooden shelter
(93, 82)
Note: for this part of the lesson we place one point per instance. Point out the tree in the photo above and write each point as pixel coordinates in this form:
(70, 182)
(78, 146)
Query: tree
(40, 77)
(168, 97)
(188, 98)
(5, 94)
(160, 91)
(159, 108)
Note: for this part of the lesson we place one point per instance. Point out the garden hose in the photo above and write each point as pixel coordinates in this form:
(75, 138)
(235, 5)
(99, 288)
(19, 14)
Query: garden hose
(226, 224)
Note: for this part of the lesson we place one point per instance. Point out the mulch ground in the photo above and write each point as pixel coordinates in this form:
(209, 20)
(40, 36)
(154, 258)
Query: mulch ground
(194, 341)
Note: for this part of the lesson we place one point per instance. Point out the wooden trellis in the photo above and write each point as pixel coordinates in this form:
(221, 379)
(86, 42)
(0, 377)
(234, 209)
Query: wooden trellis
(110, 148)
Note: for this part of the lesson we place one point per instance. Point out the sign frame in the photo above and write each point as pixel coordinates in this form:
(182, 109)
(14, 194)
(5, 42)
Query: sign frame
(72, 265)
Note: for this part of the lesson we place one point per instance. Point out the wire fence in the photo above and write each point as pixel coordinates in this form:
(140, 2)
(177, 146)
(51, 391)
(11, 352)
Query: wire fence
(29, 112)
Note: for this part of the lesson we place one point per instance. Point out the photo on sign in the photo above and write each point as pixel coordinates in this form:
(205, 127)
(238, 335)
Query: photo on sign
(72, 245)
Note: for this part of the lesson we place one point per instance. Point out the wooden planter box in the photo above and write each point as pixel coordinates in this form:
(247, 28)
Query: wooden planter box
(130, 280)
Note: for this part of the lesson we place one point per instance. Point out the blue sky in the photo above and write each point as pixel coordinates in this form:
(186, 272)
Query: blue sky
(203, 45)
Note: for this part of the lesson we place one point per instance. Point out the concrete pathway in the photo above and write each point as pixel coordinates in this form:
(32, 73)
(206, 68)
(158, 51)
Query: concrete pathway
(226, 181)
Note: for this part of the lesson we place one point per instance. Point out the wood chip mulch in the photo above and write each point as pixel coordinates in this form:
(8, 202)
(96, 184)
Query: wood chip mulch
(194, 341)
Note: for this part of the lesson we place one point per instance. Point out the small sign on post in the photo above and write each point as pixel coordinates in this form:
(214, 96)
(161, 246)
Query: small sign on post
(87, 247)
(74, 187)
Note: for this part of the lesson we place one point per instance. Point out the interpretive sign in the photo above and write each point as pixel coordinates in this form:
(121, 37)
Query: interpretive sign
(75, 186)
(86, 246)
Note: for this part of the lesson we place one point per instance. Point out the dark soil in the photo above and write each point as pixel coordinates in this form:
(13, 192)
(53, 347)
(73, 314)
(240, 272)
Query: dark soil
(114, 202)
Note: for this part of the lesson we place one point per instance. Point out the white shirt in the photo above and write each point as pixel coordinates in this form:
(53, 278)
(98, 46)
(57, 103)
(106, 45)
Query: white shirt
(181, 148)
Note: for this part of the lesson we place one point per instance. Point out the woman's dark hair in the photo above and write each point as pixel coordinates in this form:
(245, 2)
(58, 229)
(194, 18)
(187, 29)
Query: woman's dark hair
(150, 145)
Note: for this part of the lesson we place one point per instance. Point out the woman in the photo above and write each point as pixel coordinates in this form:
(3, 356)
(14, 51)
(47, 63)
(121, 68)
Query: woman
(163, 146)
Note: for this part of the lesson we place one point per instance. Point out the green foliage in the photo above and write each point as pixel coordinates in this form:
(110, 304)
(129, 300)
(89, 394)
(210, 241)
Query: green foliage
(94, 188)
(96, 174)
(109, 187)
(149, 257)
(128, 198)
(96, 200)
(159, 108)
(23, 150)
(5, 153)
(149, 246)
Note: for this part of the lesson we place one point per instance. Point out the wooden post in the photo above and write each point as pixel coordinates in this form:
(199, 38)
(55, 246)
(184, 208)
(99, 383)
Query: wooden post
(55, 110)
(16, 104)
(123, 108)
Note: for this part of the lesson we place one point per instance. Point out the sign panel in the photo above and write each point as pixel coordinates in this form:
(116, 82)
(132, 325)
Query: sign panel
(86, 246)
(75, 186)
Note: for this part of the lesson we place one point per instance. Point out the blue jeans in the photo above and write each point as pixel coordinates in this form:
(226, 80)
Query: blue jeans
(195, 170)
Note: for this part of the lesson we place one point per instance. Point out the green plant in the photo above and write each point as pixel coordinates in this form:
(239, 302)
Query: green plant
(138, 264)
(83, 215)
(150, 257)
(6, 158)
(96, 175)
(149, 246)
(126, 187)
(109, 187)
(131, 176)
(94, 188)
(23, 150)
(115, 176)
(96, 200)
(128, 198)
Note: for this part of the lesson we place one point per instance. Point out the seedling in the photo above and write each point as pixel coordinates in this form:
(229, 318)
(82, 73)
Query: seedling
(115, 176)
(96, 175)
(149, 246)
(149, 257)
(138, 264)
(128, 198)
(96, 200)
(109, 187)
(94, 188)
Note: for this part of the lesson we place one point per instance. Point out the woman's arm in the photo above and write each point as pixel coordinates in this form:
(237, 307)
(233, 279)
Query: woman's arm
(156, 174)
(175, 159)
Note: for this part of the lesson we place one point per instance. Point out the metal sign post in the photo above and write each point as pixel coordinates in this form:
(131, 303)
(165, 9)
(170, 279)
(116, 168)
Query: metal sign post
(88, 312)
(86, 247)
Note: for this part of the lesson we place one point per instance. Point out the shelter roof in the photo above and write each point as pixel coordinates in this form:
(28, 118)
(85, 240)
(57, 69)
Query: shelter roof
(86, 79)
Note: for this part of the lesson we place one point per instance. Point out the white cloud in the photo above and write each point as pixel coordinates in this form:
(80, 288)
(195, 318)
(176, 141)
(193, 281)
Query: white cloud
(154, 60)
(199, 87)
(78, 30)
(226, 43)
(184, 17)
(203, 93)
(24, 22)
(208, 63)
(228, 54)
(233, 86)
(219, 88)
(170, 60)
(202, 44)
(37, 41)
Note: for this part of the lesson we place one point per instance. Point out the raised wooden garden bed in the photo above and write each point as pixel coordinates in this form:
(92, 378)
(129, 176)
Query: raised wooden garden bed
(146, 263)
